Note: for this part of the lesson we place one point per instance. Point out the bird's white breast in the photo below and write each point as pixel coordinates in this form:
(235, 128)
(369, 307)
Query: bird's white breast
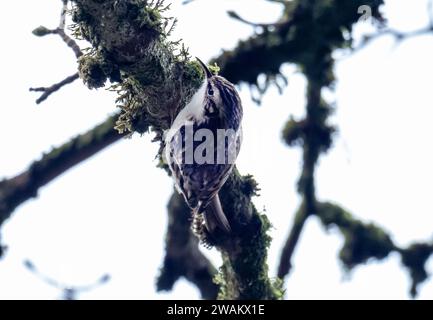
(193, 111)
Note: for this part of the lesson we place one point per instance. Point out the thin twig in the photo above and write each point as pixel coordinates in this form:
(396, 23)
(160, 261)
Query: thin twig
(63, 14)
(71, 43)
(236, 16)
(399, 35)
(47, 91)
(69, 292)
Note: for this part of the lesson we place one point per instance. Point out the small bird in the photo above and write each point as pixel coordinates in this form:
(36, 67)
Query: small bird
(200, 168)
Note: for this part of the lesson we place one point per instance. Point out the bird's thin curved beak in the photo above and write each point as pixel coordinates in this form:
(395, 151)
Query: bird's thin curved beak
(205, 68)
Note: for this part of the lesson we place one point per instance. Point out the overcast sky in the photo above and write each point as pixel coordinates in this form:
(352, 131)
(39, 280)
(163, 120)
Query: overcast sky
(108, 214)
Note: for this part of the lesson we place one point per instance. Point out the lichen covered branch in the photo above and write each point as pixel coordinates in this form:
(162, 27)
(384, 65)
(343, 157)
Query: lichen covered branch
(305, 28)
(130, 48)
(398, 35)
(362, 242)
(315, 136)
(366, 241)
(312, 32)
(244, 274)
(155, 77)
(16, 190)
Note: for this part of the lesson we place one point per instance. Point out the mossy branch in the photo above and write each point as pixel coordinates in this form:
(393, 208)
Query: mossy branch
(16, 190)
(130, 47)
(366, 241)
(244, 274)
(362, 241)
(305, 29)
(97, 66)
(312, 32)
(314, 135)
(154, 76)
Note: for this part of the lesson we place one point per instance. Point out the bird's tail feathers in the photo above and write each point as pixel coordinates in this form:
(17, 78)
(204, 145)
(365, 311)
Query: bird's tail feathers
(214, 216)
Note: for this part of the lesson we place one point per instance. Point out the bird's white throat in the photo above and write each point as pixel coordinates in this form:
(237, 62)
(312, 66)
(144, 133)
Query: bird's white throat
(193, 111)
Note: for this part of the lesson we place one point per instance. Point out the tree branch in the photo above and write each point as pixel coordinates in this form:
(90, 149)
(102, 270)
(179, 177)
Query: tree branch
(130, 45)
(47, 91)
(315, 31)
(69, 292)
(60, 30)
(183, 257)
(8, 184)
(315, 136)
(285, 265)
(399, 35)
(363, 242)
(263, 53)
(304, 26)
(25, 186)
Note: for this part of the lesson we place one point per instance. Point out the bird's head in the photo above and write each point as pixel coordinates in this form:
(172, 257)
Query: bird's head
(212, 92)
(221, 98)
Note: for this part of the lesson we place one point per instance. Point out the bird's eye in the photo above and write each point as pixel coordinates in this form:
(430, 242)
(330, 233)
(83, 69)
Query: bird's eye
(210, 91)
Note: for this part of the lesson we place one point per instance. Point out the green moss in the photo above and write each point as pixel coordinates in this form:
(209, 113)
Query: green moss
(142, 99)
(150, 18)
(246, 275)
(214, 68)
(130, 47)
(249, 186)
(91, 72)
(193, 72)
(414, 259)
(292, 132)
(361, 241)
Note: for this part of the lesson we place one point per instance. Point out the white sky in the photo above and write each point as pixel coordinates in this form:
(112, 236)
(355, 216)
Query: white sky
(108, 214)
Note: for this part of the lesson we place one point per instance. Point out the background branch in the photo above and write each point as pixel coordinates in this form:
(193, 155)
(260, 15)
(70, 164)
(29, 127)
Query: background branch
(25, 186)
(71, 43)
(363, 242)
(399, 35)
(314, 135)
(396, 34)
(69, 292)
(47, 91)
(182, 255)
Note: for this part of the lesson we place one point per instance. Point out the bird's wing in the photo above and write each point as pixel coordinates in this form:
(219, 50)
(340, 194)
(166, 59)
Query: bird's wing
(199, 183)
